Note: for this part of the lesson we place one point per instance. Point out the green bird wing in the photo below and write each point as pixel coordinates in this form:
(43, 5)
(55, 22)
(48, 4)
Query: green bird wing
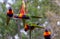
(28, 15)
(37, 26)
(36, 17)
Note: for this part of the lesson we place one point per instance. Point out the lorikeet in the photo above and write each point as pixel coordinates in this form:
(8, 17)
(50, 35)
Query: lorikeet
(22, 13)
(31, 27)
(27, 27)
(9, 14)
(47, 34)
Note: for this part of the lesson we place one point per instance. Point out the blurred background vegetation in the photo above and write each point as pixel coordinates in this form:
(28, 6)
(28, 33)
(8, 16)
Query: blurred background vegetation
(47, 9)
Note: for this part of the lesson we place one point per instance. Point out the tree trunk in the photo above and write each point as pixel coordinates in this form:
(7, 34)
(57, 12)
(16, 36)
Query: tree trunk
(6, 36)
(13, 37)
(30, 34)
(19, 33)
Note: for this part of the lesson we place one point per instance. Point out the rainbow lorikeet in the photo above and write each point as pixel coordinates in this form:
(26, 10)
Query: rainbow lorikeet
(31, 27)
(47, 34)
(22, 13)
(9, 15)
(27, 27)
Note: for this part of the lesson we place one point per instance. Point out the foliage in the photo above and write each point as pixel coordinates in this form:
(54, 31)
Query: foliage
(33, 10)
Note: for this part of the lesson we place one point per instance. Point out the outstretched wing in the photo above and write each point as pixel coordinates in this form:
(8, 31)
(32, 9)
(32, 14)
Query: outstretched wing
(36, 17)
(37, 26)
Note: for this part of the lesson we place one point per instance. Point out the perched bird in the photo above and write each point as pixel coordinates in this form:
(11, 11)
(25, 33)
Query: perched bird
(47, 34)
(27, 27)
(31, 27)
(23, 12)
(9, 14)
